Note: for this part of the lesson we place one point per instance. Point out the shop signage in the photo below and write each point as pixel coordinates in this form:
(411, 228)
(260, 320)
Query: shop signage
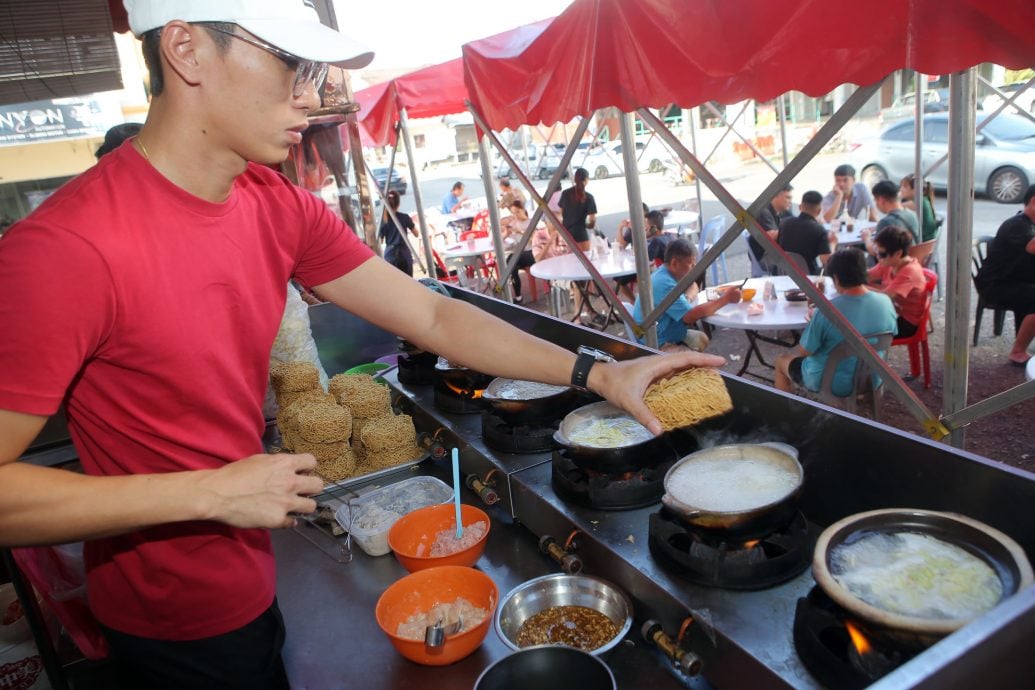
(62, 118)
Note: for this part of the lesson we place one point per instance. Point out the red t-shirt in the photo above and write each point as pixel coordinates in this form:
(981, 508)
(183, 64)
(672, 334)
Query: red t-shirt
(907, 289)
(151, 314)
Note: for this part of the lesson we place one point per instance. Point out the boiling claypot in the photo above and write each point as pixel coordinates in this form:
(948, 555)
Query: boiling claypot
(1005, 556)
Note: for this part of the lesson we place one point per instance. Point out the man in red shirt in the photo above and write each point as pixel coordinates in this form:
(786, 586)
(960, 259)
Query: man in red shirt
(145, 295)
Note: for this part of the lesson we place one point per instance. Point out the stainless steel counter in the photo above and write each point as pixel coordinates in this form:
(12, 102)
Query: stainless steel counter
(334, 641)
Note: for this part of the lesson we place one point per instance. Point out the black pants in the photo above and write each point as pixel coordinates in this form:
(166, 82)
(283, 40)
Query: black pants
(525, 259)
(401, 260)
(248, 658)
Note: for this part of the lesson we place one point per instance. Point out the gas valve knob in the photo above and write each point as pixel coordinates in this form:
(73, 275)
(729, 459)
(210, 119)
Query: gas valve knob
(686, 661)
(485, 490)
(432, 444)
(569, 562)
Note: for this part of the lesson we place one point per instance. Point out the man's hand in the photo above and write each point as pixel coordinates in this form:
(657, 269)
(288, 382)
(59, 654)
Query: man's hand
(625, 383)
(261, 490)
(731, 296)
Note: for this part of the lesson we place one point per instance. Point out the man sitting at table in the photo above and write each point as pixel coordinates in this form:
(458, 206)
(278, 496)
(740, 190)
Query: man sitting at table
(770, 218)
(869, 312)
(673, 326)
(847, 197)
(453, 200)
(805, 235)
(885, 195)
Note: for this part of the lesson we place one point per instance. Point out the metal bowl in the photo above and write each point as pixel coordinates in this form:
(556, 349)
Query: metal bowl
(529, 598)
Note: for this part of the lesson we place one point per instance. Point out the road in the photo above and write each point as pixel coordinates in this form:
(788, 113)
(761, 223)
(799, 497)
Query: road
(743, 181)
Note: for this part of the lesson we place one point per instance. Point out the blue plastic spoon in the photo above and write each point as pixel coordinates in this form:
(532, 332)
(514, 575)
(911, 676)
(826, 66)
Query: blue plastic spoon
(456, 492)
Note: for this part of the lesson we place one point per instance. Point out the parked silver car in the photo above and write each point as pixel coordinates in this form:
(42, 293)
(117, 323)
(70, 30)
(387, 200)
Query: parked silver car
(1004, 158)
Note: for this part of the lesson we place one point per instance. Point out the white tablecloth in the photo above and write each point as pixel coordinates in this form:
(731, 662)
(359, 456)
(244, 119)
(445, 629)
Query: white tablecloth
(778, 314)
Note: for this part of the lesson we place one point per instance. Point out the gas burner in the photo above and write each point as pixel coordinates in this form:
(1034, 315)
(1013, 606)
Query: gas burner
(526, 437)
(712, 559)
(456, 401)
(636, 488)
(836, 651)
(417, 369)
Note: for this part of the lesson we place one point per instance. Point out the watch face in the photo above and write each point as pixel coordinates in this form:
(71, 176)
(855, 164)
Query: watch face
(598, 355)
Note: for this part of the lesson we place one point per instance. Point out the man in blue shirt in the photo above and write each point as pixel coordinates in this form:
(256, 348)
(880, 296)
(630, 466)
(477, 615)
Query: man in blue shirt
(869, 312)
(454, 199)
(673, 326)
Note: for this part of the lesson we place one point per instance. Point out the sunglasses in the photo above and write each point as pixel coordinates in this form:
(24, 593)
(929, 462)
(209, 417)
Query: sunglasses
(306, 71)
(881, 254)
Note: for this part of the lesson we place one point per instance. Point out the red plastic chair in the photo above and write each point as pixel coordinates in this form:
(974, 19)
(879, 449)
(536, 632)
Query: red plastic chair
(918, 348)
(480, 224)
(443, 272)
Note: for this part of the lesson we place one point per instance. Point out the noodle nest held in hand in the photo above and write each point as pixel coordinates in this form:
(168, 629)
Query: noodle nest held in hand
(688, 398)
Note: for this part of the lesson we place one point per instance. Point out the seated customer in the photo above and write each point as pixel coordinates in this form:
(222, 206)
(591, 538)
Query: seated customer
(929, 223)
(885, 195)
(848, 197)
(512, 231)
(770, 218)
(1007, 276)
(673, 331)
(900, 277)
(805, 235)
(869, 312)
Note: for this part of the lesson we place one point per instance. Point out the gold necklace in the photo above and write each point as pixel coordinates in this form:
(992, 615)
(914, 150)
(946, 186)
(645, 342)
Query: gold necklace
(143, 150)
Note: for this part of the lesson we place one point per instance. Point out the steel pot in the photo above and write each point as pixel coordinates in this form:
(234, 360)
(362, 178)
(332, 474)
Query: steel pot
(1003, 554)
(640, 450)
(521, 401)
(547, 667)
(755, 520)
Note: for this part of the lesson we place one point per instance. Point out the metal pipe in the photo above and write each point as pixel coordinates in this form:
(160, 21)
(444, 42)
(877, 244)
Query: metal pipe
(632, 187)
(694, 115)
(494, 217)
(783, 128)
(918, 162)
(997, 403)
(429, 257)
(959, 215)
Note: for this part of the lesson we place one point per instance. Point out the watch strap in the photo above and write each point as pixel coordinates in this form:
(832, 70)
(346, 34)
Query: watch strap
(580, 372)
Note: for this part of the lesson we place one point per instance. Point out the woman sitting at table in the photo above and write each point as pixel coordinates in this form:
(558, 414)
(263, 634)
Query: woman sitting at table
(900, 277)
(513, 228)
(397, 251)
(929, 223)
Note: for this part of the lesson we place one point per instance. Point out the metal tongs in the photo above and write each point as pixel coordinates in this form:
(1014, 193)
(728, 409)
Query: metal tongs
(435, 635)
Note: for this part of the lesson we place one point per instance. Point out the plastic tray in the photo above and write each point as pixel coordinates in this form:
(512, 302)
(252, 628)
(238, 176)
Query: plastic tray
(376, 511)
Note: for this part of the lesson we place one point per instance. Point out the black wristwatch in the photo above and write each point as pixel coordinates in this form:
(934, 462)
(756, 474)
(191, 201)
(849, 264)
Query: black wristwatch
(587, 357)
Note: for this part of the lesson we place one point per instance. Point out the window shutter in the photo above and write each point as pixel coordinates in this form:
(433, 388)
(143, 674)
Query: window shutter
(55, 49)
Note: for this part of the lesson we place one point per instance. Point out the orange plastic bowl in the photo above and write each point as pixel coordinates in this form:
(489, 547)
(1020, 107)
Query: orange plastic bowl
(748, 294)
(418, 592)
(412, 536)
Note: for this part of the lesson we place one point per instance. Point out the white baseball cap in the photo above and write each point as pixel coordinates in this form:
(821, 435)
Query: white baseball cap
(291, 25)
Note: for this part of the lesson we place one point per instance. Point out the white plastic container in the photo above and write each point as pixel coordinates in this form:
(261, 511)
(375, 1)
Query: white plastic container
(377, 511)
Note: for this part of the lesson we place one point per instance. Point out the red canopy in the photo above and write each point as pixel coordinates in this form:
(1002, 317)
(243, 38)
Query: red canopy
(653, 53)
(429, 92)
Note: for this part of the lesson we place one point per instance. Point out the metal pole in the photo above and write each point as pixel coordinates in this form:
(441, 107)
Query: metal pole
(494, 217)
(783, 128)
(918, 162)
(997, 403)
(694, 114)
(632, 186)
(429, 257)
(959, 218)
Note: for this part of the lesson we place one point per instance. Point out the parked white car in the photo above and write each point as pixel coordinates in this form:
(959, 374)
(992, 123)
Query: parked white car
(606, 160)
(1025, 101)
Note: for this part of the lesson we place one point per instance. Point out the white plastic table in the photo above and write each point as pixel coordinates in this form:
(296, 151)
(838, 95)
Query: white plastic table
(681, 221)
(472, 253)
(778, 315)
(853, 238)
(568, 267)
(1029, 371)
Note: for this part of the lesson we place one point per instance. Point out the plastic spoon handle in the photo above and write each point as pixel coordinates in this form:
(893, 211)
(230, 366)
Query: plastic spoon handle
(456, 492)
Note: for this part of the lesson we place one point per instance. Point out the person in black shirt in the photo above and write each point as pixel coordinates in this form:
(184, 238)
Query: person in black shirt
(778, 210)
(1007, 276)
(397, 252)
(805, 235)
(579, 209)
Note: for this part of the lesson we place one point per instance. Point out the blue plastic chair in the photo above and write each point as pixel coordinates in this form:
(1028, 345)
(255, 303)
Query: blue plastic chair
(710, 234)
(757, 271)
